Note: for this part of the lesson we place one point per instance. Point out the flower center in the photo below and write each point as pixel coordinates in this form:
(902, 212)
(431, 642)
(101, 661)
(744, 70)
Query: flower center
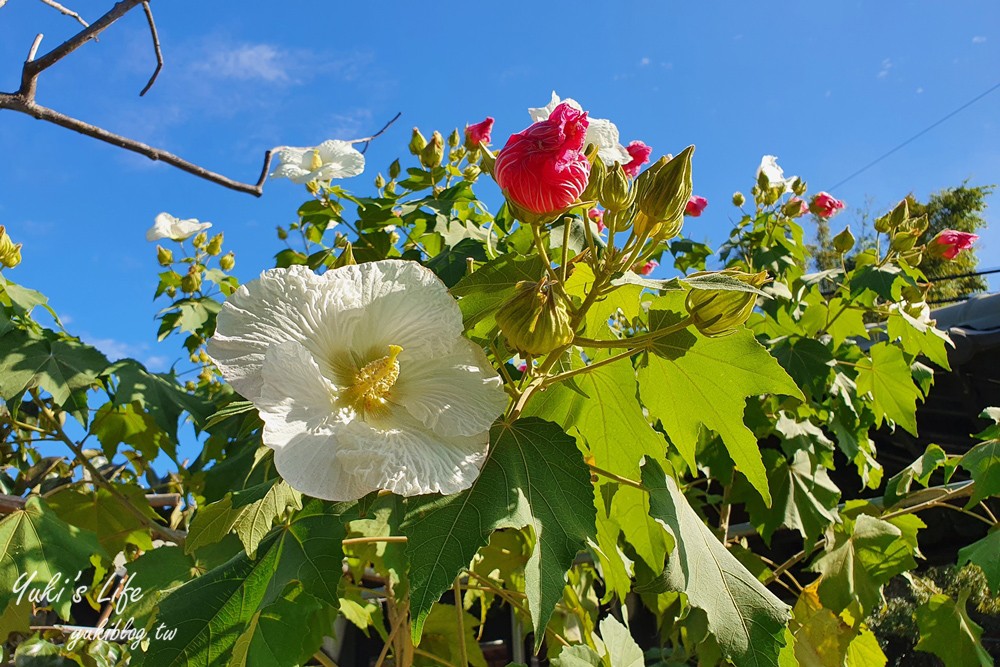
(372, 384)
(317, 161)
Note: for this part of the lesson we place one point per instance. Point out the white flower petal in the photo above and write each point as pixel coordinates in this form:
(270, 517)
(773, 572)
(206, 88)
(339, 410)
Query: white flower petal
(331, 454)
(338, 159)
(282, 305)
(166, 226)
(406, 305)
(604, 134)
(775, 174)
(541, 113)
(459, 394)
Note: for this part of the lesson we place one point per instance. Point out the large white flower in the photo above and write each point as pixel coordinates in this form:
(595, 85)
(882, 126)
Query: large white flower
(362, 378)
(331, 159)
(775, 174)
(601, 132)
(167, 226)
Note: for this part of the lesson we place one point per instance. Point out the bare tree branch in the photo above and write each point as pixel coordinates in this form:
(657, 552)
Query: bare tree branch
(368, 140)
(156, 47)
(68, 12)
(23, 100)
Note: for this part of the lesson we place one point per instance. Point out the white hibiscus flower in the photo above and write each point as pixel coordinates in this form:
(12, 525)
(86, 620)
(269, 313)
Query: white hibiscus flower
(167, 226)
(331, 159)
(362, 378)
(775, 174)
(601, 132)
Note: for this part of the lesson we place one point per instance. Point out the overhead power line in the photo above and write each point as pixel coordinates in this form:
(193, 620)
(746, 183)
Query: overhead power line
(917, 135)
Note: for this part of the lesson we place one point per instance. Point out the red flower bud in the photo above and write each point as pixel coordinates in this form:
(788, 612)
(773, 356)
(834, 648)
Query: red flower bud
(826, 205)
(542, 169)
(695, 206)
(951, 242)
(480, 132)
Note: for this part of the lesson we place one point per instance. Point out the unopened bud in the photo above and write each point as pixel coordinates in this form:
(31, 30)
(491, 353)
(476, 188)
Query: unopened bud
(200, 239)
(617, 193)
(738, 199)
(214, 246)
(394, 169)
(471, 173)
(666, 197)
(191, 282)
(282, 233)
(379, 181)
(346, 257)
(433, 152)
(597, 175)
(417, 142)
(536, 319)
(488, 161)
(227, 261)
(454, 139)
(10, 252)
(903, 241)
(844, 241)
(721, 312)
(893, 219)
(799, 187)
(164, 256)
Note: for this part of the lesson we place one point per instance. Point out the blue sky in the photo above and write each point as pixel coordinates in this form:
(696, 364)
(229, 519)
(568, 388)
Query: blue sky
(826, 87)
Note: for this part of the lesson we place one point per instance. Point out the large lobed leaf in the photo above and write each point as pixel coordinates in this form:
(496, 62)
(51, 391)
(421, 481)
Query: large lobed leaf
(747, 620)
(534, 476)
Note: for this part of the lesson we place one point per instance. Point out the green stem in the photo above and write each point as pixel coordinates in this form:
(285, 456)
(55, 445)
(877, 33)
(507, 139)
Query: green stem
(543, 253)
(551, 380)
(634, 341)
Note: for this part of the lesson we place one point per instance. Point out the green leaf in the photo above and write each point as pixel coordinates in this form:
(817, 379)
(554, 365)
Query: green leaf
(887, 376)
(983, 463)
(484, 290)
(808, 361)
(441, 640)
(38, 545)
(159, 394)
(886, 282)
(534, 476)
(452, 264)
(717, 280)
(747, 620)
(212, 612)
(130, 425)
(986, 554)
(251, 512)
(692, 381)
(862, 555)
(947, 631)
(577, 655)
(622, 651)
(285, 632)
(919, 471)
(107, 515)
(804, 497)
(61, 366)
(156, 573)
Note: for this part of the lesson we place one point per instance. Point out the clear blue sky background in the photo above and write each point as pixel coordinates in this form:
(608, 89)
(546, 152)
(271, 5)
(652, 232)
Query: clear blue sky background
(826, 87)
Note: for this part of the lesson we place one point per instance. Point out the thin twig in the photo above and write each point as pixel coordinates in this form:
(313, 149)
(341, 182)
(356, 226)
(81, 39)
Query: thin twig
(33, 51)
(367, 140)
(373, 540)
(618, 478)
(66, 11)
(456, 588)
(156, 47)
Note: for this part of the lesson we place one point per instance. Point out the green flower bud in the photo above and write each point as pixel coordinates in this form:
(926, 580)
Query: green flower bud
(666, 197)
(10, 252)
(595, 182)
(454, 139)
(433, 152)
(200, 239)
(617, 193)
(227, 261)
(865, 257)
(738, 199)
(282, 233)
(912, 257)
(214, 246)
(536, 319)
(417, 142)
(799, 187)
(379, 181)
(191, 282)
(346, 257)
(394, 169)
(488, 161)
(894, 218)
(903, 241)
(721, 312)
(844, 241)
(471, 173)
(171, 292)
(164, 256)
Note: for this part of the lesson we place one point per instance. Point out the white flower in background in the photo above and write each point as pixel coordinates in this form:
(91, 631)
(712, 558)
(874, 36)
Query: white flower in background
(775, 174)
(167, 226)
(362, 378)
(601, 132)
(331, 159)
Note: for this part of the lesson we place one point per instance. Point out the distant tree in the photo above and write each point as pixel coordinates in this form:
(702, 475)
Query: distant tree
(957, 208)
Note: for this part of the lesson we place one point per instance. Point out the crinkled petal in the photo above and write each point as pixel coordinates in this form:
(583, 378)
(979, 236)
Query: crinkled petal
(329, 453)
(292, 304)
(404, 304)
(604, 134)
(166, 226)
(340, 159)
(459, 394)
